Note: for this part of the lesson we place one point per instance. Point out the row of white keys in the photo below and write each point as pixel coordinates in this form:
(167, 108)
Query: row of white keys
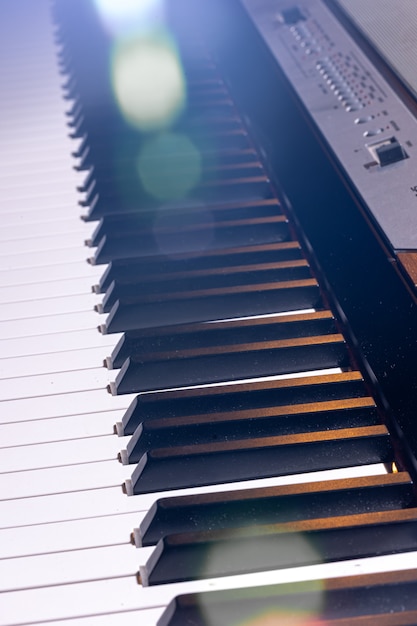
(121, 599)
(51, 363)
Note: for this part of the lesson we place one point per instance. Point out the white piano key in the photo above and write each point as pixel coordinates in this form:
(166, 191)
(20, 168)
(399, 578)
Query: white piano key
(119, 594)
(39, 187)
(45, 158)
(14, 278)
(69, 567)
(48, 243)
(53, 151)
(41, 106)
(29, 200)
(59, 179)
(34, 483)
(44, 217)
(32, 72)
(18, 260)
(32, 432)
(17, 155)
(144, 617)
(36, 119)
(68, 535)
(69, 212)
(56, 342)
(80, 286)
(41, 364)
(76, 229)
(29, 152)
(60, 305)
(59, 205)
(22, 512)
(45, 407)
(47, 324)
(72, 452)
(41, 117)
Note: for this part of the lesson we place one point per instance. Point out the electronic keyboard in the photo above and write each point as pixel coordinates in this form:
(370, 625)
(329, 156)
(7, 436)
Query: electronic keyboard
(194, 429)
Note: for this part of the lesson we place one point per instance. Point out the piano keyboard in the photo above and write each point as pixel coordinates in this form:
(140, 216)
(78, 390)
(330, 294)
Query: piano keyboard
(228, 421)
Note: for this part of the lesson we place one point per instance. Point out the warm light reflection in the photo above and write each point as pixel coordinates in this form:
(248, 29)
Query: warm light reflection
(169, 166)
(148, 80)
(125, 16)
(276, 617)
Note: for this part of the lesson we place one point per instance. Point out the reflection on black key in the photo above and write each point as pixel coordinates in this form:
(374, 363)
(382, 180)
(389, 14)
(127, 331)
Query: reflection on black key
(270, 505)
(385, 599)
(192, 238)
(227, 363)
(242, 396)
(210, 554)
(204, 279)
(115, 226)
(183, 307)
(122, 271)
(163, 469)
(242, 425)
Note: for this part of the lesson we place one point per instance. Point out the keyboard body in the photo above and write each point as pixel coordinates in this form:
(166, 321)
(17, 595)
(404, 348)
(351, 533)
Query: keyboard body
(231, 343)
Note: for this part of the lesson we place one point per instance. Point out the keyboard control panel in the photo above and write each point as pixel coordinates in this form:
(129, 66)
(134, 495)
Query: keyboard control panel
(369, 129)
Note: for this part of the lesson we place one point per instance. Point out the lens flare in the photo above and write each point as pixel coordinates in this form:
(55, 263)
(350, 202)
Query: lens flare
(148, 81)
(298, 604)
(169, 166)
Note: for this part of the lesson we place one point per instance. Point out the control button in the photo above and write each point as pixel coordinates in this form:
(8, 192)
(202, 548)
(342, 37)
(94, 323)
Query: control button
(391, 152)
(344, 96)
(292, 15)
(363, 120)
(372, 132)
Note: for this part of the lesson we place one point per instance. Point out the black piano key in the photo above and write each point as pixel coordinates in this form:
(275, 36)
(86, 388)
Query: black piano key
(210, 554)
(250, 396)
(115, 226)
(137, 287)
(212, 304)
(208, 138)
(208, 100)
(244, 425)
(122, 270)
(104, 120)
(96, 155)
(273, 505)
(127, 200)
(136, 344)
(383, 599)
(108, 181)
(110, 184)
(163, 469)
(191, 238)
(224, 363)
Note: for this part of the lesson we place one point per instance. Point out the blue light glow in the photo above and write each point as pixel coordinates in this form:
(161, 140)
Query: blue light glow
(123, 16)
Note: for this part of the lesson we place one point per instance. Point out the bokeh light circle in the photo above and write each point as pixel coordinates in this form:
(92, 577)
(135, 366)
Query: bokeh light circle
(148, 81)
(169, 166)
